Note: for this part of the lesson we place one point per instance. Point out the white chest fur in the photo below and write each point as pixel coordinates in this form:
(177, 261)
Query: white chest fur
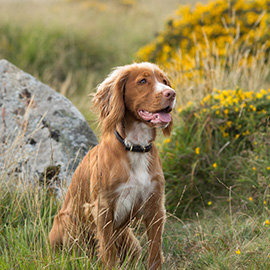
(139, 186)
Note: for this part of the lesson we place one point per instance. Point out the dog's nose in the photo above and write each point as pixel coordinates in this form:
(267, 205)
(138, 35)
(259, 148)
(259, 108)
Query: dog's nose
(169, 94)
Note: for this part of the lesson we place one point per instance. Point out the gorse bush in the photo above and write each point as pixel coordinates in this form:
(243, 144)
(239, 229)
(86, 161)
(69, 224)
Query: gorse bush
(213, 31)
(220, 147)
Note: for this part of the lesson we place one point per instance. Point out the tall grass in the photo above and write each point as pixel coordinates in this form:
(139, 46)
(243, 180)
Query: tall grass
(26, 216)
(229, 240)
(235, 69)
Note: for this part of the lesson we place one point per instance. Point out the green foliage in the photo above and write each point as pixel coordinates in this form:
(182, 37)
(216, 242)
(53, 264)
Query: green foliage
(219, 147)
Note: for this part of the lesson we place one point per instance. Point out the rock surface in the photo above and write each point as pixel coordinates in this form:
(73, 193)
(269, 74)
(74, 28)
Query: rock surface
(42, 135)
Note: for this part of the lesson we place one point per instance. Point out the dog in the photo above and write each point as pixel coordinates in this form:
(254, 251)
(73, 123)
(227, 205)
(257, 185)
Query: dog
(121, 178)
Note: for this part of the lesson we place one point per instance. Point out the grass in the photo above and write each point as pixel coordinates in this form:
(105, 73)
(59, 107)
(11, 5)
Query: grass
(215, 239)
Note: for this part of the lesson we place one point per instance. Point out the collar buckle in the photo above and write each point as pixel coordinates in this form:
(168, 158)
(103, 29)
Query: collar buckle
(133, 147)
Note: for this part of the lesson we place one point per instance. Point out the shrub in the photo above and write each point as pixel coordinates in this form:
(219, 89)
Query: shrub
(215, 30)
(220, 147)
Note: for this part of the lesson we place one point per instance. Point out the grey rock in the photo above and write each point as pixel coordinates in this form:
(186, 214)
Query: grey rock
(43, 137)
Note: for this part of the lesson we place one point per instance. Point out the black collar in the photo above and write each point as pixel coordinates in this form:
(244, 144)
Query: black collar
(133, 147)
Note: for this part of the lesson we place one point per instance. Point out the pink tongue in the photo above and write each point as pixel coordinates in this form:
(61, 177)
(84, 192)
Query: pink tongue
(164, 117)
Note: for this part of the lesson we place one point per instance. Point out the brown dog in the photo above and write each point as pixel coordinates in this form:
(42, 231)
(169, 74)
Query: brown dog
(121, 178)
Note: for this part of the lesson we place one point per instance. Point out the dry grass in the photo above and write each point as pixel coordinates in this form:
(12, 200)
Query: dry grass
(235, 69)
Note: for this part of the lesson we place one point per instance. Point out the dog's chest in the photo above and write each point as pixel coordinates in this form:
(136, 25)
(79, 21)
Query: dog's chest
(136, 190)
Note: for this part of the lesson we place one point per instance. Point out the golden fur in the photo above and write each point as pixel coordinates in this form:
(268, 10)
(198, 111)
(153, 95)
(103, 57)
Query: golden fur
(112, 186)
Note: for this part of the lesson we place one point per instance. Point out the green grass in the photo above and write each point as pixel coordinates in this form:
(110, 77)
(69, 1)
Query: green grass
(208, 241)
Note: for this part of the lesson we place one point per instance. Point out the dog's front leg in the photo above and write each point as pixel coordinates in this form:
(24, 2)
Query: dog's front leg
(154, 225)
(105, 237)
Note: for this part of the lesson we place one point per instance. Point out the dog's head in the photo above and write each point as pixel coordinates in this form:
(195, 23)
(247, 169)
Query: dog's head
(141, 90)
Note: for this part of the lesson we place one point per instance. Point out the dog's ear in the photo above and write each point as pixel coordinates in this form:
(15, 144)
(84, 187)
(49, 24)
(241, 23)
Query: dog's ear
(109, 99)
(167, 131)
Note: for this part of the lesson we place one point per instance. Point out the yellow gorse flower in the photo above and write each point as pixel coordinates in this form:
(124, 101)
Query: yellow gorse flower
(191, 27)
(238, 251)
(167, 140)
(226, 111)
(197, 150)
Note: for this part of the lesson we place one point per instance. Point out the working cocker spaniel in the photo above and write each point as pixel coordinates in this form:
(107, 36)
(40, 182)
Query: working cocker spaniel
(121, 178)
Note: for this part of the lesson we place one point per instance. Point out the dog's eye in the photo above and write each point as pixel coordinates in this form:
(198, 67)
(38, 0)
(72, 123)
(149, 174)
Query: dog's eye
(165, 82)
(143, 81)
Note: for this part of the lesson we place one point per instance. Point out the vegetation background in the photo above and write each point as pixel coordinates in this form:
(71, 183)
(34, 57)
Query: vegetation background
(217, 161)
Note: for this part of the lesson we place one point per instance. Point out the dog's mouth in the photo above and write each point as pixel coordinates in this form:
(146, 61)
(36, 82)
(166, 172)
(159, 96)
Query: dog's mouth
(161, 117)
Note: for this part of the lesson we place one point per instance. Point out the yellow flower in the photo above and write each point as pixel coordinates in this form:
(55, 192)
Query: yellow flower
(254, 169)
(268, 168)
(263, 91)
(189, 103)
(226, 111)
(167, 140)
(264, 202)
(267, 222)
(197, 150)
(209, 203)
(238, 251)
(217, 112)
(237, 136)
(214, 165)
(179, 109)
(250, 199)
